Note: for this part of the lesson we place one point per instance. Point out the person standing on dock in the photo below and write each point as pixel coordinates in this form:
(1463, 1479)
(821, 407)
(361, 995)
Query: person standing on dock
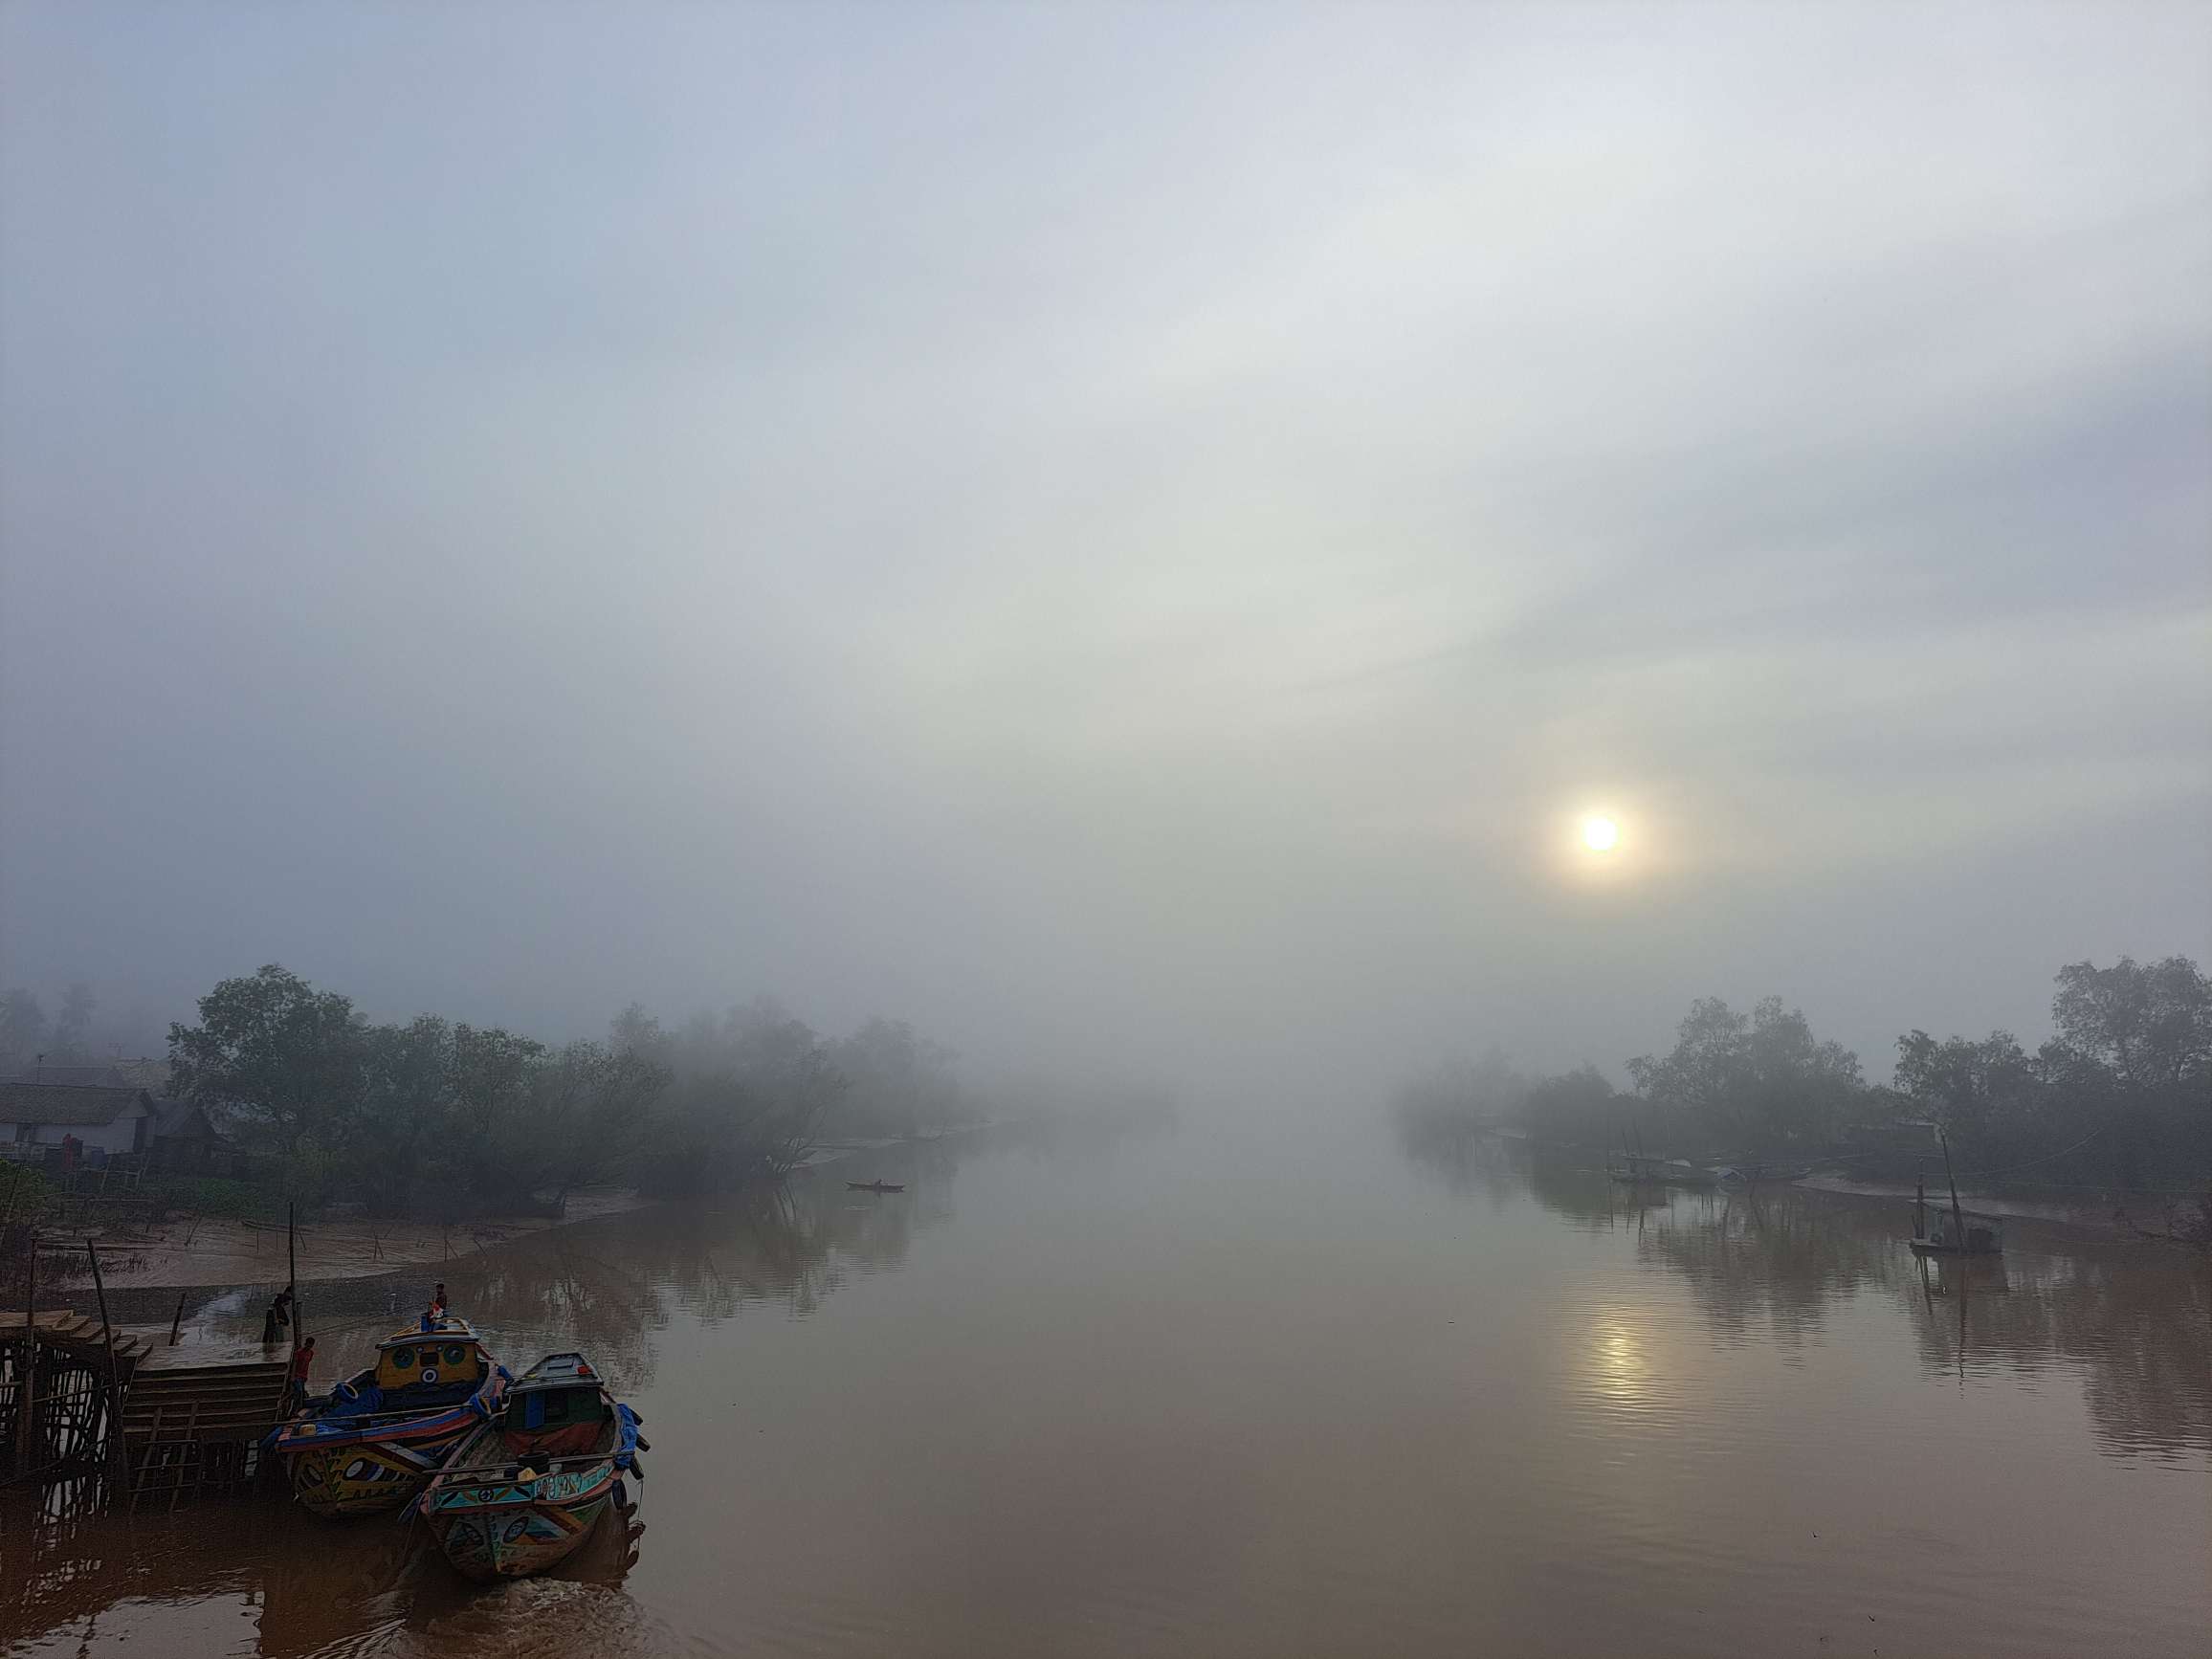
(302, 1364)
(278, 1320)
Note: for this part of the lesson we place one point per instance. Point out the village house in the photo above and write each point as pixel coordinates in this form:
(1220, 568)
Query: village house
(113, 1121)
(113, 1109)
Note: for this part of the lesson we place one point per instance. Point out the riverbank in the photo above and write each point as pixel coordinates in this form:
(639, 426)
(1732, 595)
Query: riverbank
(2087, 1214)
(207, 1252)
(204, 1251)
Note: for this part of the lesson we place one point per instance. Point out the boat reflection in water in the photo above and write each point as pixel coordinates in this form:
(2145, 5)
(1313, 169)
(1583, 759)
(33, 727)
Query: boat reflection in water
(610, 1287)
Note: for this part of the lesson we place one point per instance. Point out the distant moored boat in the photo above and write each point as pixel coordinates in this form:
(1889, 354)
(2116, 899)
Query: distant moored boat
(1635, 1171)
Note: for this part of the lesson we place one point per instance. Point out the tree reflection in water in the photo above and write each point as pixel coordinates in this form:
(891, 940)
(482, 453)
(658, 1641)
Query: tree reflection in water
(2132, 1318)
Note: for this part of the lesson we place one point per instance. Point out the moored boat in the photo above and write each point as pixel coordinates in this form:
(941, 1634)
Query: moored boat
(1636, 1171)
(1959, 1231)
(1964, 1234)
(875, 1187)
(370, 1443)
(1760, 1174)
(1956, 1231)
(524, 1492)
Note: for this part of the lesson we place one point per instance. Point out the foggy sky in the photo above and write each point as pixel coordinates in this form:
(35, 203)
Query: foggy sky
(1127, 535)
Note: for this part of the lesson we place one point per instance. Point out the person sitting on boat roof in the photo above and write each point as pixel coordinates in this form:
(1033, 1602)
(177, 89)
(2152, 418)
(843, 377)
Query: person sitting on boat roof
(430, 1316)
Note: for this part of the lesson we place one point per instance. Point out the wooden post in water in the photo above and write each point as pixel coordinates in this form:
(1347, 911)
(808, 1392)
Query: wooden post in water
(177, 1324)
(118, 1460)
(1919, 1207)
(1957, 1216)
(27, 1413)
(292, 1267)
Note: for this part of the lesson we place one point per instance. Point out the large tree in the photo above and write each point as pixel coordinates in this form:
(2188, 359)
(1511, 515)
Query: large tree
(272, 1049)
(2132, 1063)
(495, 1139)
(1985, 1096)
(401, 1148)
(1759, 1080)
(592, 1104)
(2150, 1024)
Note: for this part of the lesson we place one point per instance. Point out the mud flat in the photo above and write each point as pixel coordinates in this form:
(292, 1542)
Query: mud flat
(203, 1250)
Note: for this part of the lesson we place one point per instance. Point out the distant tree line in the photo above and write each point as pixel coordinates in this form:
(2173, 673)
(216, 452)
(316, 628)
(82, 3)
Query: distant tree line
(30, 1036)
(438, 1116)
(2121, 1095)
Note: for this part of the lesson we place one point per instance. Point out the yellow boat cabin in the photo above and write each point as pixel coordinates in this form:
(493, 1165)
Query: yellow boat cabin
(439, 1357)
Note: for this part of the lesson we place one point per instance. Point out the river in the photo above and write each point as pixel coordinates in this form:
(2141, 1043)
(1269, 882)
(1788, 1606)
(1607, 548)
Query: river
(1210, 1393)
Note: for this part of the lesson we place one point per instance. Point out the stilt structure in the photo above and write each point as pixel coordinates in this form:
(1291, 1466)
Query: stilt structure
(192, 1415)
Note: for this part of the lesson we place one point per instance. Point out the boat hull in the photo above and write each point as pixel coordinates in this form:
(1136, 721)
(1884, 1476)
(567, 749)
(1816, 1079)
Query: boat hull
(368, 1477)
(514, 1500)
(511, 1537)
(339, 1464)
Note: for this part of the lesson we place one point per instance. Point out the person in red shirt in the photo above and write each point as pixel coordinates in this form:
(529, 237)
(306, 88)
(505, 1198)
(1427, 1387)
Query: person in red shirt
(302, 1362)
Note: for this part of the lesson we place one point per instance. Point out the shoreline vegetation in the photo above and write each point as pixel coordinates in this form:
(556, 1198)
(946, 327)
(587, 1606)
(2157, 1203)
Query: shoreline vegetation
(445, 1120)
(2107, 1126)
(407, 1144)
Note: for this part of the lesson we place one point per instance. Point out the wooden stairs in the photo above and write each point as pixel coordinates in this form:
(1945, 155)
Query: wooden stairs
(194, 1418)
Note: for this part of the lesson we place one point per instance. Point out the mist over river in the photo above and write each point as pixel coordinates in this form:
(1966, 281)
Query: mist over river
(1193, 1393)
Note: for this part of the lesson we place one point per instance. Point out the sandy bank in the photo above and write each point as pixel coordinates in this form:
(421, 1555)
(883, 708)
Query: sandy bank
(2084, 1213)
(203, 1251)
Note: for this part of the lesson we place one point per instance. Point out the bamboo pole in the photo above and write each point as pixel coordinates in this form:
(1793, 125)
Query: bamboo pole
(26, 1412)
(118, 1461)
(292, 1267)
(1957, 1215)
(177, 1324)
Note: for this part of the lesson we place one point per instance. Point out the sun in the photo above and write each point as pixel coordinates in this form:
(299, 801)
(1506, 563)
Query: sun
(1600, 834)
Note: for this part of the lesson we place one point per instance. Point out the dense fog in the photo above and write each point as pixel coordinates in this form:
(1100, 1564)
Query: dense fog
(1132, 541)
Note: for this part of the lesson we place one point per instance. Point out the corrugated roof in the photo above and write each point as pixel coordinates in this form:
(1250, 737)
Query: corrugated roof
(151, 1075)
(65, 1103)
(100, 1076)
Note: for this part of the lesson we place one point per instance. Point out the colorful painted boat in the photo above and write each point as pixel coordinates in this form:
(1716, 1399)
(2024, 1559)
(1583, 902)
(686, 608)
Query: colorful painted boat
(525, 1489)
(371, 1444)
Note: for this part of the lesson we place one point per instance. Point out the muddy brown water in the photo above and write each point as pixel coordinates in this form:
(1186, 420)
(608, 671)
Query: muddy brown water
(1183, 1394)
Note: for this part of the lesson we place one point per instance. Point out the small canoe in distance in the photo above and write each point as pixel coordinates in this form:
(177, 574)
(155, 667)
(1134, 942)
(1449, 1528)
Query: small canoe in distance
(875, 1187)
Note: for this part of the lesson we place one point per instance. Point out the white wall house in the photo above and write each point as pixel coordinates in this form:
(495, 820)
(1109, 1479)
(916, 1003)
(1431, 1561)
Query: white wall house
(35, 1115)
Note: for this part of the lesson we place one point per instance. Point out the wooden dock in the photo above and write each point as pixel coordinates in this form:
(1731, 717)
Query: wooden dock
(192, 1415)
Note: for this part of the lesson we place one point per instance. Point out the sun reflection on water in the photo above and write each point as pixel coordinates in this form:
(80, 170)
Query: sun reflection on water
(1620, 1367)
